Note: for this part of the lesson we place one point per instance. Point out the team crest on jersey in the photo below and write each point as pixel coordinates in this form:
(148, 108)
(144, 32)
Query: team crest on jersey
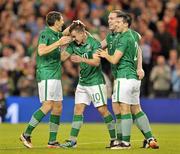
(77, 48)
(88, 48)
(43, 37)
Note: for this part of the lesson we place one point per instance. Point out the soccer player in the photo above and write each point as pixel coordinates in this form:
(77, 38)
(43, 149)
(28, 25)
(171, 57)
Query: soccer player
(48, 74)
(91, 86)
(126, 57)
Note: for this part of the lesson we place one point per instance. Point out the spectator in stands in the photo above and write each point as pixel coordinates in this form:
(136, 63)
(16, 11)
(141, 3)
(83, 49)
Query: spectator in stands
(160, 78)
(176, 80)
(27, 84)
(164, 38)
(6, 83)
(170, 20)
(154, 44)
(173, 58)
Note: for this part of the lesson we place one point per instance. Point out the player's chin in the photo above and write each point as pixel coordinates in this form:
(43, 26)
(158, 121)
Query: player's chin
(111, 28)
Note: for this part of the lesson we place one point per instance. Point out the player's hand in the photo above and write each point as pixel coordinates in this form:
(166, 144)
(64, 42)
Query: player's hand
(79, 22)
(140, 73)
(102, 53)
(96, 55)
(65, 40)
(76, 59)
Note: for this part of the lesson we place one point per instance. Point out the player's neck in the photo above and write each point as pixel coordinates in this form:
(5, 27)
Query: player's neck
(85, 38)
(54, 28)
(125, 30)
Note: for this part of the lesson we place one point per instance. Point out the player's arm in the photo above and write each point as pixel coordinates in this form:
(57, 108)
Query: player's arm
(44, 49)
(66, 31)
(140, 71)
(103, 44)
(65, 55)
(113, 59)
(95, 61)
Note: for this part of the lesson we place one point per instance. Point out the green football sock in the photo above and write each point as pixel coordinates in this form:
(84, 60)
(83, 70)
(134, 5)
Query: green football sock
(35, 119)
(76, 125)
(118, 127)
(126, 123)
(54, 125)
(111, 126)
(142, 123)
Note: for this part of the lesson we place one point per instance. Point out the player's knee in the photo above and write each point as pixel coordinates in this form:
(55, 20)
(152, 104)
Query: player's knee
(47, 106)
(78, 110)
(125, 108)
(57, 108)
(116, 108)
(135, 109)
(103, 111)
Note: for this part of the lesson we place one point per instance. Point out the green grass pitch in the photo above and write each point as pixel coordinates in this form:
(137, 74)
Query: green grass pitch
(92, 139)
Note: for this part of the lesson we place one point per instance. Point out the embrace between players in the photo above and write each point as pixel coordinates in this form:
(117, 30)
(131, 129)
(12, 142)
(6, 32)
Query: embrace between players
(125, 56)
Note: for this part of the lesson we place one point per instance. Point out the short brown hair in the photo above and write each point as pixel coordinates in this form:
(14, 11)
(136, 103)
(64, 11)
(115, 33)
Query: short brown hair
(52, 16)
(77, 26)
(126, 17)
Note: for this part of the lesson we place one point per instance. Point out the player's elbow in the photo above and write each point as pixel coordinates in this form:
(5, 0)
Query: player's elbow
(40, 52)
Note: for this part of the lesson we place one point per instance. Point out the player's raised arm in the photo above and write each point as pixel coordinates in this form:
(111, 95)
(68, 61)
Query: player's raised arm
(45, 49)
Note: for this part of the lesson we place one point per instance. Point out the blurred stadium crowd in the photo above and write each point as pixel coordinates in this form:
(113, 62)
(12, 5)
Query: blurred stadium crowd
(158, 21)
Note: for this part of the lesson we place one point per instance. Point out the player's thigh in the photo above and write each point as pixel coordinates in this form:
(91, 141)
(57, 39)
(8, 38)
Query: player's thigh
(98, 94)
(82, 96)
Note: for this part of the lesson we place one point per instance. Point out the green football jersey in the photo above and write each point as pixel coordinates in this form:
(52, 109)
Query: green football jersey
(48, 66)
(111, 40)
(128, 44)
(89, 75)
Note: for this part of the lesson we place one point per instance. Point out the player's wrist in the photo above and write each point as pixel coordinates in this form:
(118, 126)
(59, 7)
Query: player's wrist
(83, 60)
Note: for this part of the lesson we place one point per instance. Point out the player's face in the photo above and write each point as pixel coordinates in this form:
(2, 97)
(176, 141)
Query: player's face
(59, 24)
(112, 21)
(120, 24)
(78, 37)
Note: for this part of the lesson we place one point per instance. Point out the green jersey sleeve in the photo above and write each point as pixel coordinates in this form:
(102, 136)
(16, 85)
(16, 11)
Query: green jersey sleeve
(43, 38)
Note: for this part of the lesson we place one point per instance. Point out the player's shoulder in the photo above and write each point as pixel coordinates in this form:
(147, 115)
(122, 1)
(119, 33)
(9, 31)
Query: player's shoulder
(136, 33)
(92, 40)
(44, 33)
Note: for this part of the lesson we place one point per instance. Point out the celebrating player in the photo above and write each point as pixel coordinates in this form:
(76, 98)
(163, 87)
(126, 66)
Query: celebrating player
(48, 73)
(91, 86)
(126, 59)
